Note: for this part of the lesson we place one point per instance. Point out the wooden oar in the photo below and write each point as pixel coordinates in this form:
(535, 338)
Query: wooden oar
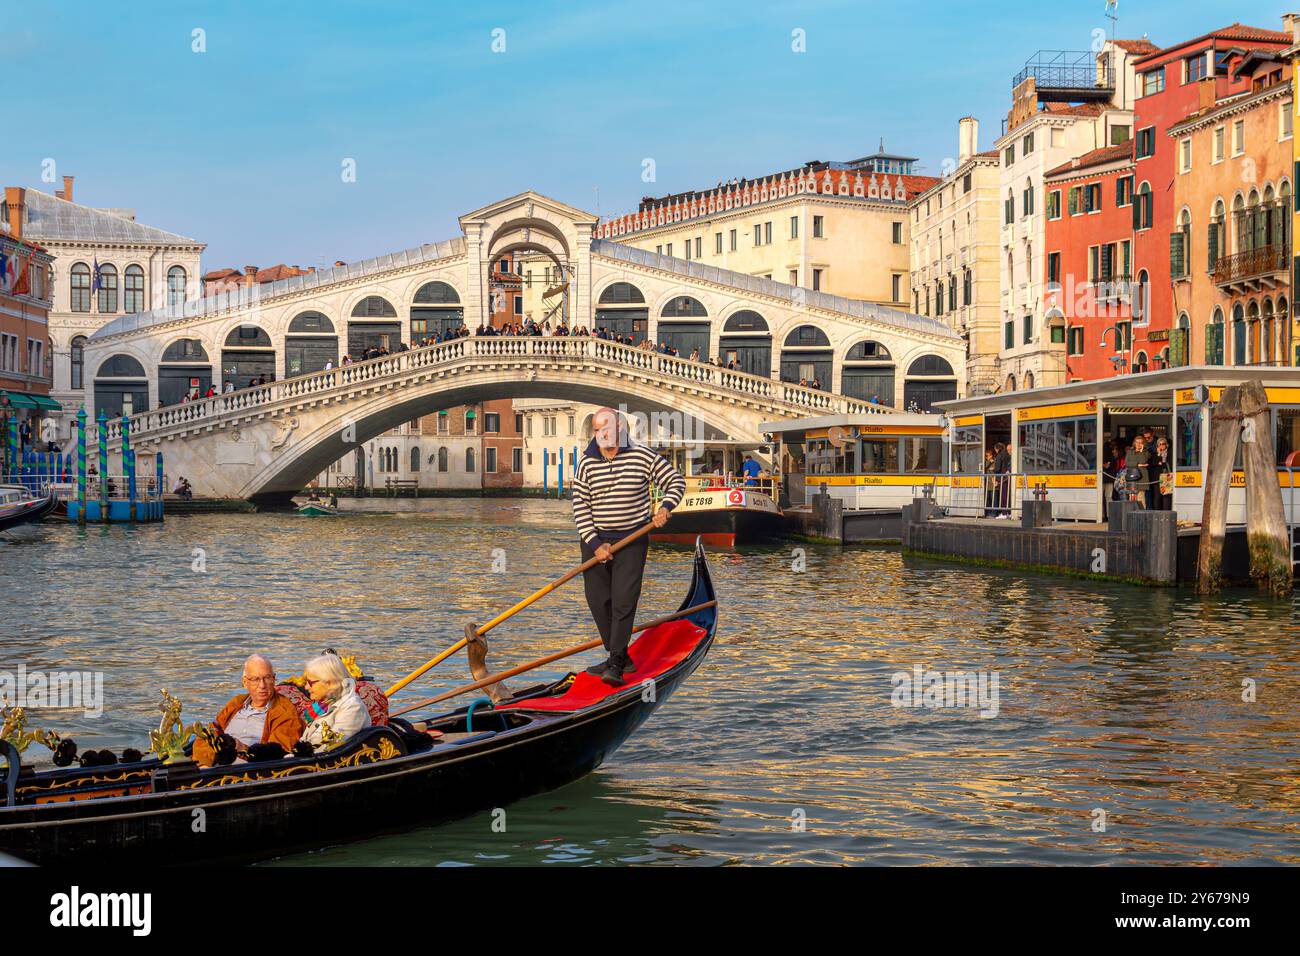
(506, 615)
(541, 661)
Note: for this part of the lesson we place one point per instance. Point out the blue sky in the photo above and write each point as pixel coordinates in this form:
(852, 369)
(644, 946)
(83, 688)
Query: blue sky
(243, 146)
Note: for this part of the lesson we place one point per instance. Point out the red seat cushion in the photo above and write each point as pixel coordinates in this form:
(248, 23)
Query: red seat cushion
(654, 652)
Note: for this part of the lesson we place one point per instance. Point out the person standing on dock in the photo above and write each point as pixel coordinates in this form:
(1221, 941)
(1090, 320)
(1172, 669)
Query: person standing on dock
(611, 499)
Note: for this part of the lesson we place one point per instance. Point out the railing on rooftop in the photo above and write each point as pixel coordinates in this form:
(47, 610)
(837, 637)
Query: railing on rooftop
(1068, 71)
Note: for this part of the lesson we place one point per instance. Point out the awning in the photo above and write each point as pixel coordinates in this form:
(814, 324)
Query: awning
(17, 400)
(47, 403)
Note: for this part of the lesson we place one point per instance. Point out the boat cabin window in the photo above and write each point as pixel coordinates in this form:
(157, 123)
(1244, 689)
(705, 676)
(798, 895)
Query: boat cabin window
(968, 449)
(880, 456)
(922, 454)
(1189, 439)
(1061, 446)
(824, 458)
(1287, 432)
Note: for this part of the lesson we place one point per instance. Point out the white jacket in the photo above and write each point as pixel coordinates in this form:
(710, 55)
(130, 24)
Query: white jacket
(347, 716)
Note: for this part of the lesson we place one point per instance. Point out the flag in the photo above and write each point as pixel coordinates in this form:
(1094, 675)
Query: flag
(4, 269)
(22, 282)
(94, 282)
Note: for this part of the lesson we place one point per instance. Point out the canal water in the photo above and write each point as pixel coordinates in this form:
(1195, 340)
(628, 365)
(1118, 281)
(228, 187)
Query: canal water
(1123, 730)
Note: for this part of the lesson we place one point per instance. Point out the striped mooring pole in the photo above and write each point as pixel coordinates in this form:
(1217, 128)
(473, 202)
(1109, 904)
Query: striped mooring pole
(128, 467)
(158, 470)
(81, 465)
(102, 423)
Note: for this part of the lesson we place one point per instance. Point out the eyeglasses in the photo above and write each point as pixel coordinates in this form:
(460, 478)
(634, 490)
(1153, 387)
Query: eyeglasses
(261, 680)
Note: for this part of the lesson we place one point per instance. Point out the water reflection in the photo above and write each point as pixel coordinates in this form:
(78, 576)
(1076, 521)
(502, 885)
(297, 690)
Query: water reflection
(784, 747)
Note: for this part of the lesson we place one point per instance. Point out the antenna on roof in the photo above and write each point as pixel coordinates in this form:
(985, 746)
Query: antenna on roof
(1112, 14)
(882, 144)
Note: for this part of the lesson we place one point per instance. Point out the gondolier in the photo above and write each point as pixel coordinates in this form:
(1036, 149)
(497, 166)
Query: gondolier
(611, 499)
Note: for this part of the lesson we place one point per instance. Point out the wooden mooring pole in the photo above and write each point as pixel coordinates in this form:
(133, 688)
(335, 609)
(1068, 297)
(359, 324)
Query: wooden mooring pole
(1266, 529)
(1225, 431)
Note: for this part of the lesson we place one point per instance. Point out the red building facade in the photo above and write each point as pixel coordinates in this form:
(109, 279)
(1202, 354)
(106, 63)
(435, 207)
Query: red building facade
(1089, 260)
(1170, 89)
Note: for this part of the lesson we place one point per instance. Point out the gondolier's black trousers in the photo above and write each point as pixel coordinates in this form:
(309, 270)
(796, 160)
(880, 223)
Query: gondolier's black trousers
(613, 590)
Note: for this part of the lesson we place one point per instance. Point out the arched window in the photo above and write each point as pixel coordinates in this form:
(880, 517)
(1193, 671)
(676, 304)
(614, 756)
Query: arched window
(120, 366)
(79, 288)
(807, 336)
(469, 460)
(1266, 332)
(869, 373)
(1252, 333)
(415, 458)
(1214, 340)
(442, 458)
(436, 293)
(133, 290)
(1011, 383)
(746, 342)
(1140, 362)
(622, 311)
(374, 307)
(1239, 356)
(683, 307)
(78, 362)
(806, 357)
(1179, 350)
(121, 387)
(1216, 237)
(175, 287)
(1029, 380)
(310, 323)
(930, 379)
(107, 288)
(185, 350)
(1142, 207)
(1141, 298)
(248, 336)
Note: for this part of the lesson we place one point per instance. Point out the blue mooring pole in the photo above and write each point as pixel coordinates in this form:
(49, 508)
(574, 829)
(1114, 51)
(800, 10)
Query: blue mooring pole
(81, 465)
(128, 467)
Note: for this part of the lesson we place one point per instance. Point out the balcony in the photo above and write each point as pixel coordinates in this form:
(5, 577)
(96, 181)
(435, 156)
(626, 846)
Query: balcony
(1068, 76)
(1116, 291)
(1254, 270)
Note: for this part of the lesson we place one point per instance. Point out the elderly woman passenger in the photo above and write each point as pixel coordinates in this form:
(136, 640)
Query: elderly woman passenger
(335, 703)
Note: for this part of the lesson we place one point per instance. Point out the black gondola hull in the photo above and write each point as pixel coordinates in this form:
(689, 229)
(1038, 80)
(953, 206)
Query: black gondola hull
(316, 808)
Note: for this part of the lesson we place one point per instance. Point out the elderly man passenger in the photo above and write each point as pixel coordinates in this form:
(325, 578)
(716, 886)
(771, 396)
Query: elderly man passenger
(335, 703)
(259, 716)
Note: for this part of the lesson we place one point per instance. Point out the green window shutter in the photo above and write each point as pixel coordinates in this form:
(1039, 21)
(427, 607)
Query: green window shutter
(1074, 200)
(1107, 262)
(1176, 254)
(1137, 212)
(1213, 244)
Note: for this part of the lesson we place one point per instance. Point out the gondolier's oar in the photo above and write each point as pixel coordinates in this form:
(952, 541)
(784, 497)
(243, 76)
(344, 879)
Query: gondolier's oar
(541, 661)
(506, 615)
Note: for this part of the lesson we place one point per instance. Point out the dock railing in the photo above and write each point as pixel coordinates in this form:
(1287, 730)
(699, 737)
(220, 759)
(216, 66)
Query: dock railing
(978, 495)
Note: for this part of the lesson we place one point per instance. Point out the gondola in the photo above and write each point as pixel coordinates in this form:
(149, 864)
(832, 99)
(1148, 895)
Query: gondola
(383, 780)
(20, 506)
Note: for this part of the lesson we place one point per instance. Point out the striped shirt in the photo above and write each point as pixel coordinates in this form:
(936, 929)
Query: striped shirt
(611, 496)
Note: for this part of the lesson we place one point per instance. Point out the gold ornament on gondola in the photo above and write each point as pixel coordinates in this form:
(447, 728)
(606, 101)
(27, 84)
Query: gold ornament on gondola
(11, 729)
(168, 741)
(329, 737)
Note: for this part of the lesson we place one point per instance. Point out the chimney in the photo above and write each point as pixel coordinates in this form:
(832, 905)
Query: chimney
(968, 138)
(15, 198)
(250, 276)
(1291, 25)
(1205, 93)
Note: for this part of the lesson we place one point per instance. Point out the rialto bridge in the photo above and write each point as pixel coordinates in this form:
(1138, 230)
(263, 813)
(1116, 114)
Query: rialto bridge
(266, 442)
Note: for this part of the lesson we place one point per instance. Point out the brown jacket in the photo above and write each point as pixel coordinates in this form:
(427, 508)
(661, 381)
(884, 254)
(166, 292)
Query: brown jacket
(283, 725)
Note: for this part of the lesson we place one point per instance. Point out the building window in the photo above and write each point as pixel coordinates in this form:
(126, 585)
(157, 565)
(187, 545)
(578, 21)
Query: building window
(134, 290)
(519, 423)
(819, 227)
(1124, 191)
(442, 459)
(107, 289)
(78, 361)
(1029, 200)
(767, 233)
(1092, 197)
(489, 460)
(758, 234)
(669, 249)
(469, 460)
(965, 183)
(1119, 134)
(1185, 155)
(1027, 145)
(717, 248)
(699, 246)
(817, 279)
(491, 422)
(966, 287)
(469, 423)
(1075, 344)
(794, 227)
(1194, 68)
(79, 289)
(175, 287)
(1218, 144)
(1153, 81)
(688, 249)
(1009, 155)
(1054, 268)
(1008, 334)
(896, 288)
(1054, 204)
(1286, 120)
(1238, 137)
(1146, 143)
(1009, 209)
(1028, 323)
(794, 276)
(733, 240)
(1142, 207)
(898, 233)
(516, 459)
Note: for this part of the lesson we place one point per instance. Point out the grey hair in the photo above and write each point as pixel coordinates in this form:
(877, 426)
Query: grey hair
(331, 666)
(259, 657)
